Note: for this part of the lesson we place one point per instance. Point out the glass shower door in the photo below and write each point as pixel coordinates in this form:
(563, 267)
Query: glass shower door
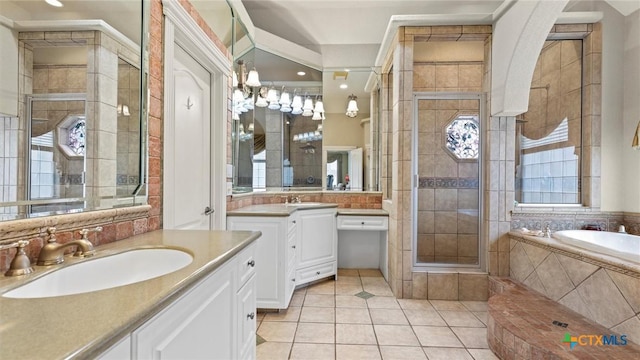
(447, 206)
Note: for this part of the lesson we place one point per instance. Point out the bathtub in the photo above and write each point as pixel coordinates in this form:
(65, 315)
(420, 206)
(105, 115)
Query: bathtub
(624, 246)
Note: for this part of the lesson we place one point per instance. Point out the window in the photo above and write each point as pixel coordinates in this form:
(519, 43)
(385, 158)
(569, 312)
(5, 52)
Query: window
(259, 171)
(463, 136)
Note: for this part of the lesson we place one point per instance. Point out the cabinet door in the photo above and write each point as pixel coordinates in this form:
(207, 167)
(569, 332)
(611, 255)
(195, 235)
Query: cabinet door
(247, 319)
(317, 240)
(200, 325)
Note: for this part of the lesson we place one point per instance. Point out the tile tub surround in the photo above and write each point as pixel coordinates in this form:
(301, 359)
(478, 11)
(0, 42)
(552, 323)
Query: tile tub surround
(573, 219)
(96, 320)
(602, 288)
(521, 326)
(357, 317)
(117, 224)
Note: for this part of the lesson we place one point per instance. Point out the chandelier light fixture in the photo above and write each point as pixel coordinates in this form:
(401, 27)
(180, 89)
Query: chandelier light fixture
(352, 106)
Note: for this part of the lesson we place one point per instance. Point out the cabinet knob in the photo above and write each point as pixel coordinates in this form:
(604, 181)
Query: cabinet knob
(251, 263)
(294, 279)
(251, 316)
(293, 221)
(293, 246)
(363, 223)
(317, 272)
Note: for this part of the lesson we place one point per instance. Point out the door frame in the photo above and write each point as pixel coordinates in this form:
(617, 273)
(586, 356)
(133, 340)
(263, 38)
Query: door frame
(482, 246)
(181, 30)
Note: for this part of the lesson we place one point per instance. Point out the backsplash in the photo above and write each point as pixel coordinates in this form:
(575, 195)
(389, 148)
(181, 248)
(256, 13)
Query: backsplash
(572, 220)
(345, 200)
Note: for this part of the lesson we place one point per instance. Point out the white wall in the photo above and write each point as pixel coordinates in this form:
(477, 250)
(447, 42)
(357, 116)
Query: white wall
(340, 130)
(631, 113)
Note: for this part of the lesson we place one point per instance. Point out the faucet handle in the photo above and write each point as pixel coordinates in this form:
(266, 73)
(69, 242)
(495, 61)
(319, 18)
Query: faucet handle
(52, 234)
(20, 265)
(85, 232)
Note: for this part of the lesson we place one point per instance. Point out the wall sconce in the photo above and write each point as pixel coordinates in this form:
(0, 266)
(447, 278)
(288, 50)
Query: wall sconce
(635, 144)
(352, 107)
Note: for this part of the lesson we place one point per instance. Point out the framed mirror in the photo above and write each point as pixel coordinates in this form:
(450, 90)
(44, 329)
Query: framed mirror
(72, 109)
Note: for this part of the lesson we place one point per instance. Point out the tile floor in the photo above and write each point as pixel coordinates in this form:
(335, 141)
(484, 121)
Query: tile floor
(357, 317)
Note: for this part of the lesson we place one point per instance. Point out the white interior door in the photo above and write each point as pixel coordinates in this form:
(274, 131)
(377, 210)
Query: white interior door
(188, 147)
(355, 169)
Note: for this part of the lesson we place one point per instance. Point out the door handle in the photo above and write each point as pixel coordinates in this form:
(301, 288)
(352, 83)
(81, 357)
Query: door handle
(208, 211)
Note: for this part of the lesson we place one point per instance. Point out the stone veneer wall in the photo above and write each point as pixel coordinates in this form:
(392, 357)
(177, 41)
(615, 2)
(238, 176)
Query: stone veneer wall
(606, 294)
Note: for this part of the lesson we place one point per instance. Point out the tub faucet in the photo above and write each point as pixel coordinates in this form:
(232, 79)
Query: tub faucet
(547, 231)
(53, 252)
(622, 229)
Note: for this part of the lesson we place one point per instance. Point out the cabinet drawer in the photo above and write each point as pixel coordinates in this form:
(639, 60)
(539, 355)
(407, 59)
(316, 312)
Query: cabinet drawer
(292, 223)
(316, 272)
(246, 264)
(375, 223)
(247, 319)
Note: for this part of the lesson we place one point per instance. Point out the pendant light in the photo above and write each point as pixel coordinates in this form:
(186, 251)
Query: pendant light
(352, 107)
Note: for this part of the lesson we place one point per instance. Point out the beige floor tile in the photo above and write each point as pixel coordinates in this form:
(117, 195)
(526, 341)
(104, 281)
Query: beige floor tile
(472, 337)
(357, 352)
(370, 273)
(424, 317)
(297, 299)
(348, 280)
(403, 353)
(325, 287)
(291, 314)
(273, 351)
(448, 305)
(355, 334)
(348, 272)
(378, 290)
(475, 305)
(383, 302)
(315, 333)
(401, 335)
(388, 317)
(318, 315)
(320, 300)
(302, 290)
(352, 316)
(374, 281)
(437, 353)
(436, 336)
(460, 318)
(313, 351)
(413, 304)
(482, 316)
(277, 331)
(350, 301)
(260, 316)
(482, 354)
(348, 288)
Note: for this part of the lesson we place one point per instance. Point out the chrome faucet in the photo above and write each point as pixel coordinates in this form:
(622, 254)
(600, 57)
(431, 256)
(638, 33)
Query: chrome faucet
(53, 253)
(547, 231)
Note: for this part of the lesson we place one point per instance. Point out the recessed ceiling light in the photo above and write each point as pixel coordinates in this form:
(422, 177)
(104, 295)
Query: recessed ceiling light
(55, 3)
(343, 86)
(301, 73)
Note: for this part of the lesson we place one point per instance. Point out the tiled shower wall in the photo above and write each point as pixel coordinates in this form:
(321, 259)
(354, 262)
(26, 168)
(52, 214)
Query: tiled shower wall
(8, 166)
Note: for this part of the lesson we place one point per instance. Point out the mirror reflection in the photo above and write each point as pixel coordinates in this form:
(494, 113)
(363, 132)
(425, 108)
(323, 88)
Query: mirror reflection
(71, 107)
(343, 169)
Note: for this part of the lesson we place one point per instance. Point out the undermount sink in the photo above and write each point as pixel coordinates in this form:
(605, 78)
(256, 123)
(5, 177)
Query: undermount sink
(104, 273)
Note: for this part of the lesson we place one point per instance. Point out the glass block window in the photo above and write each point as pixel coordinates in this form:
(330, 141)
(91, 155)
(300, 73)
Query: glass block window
(76, 140)
(463, 137)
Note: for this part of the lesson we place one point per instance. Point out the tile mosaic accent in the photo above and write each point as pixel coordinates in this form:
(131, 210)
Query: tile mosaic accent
(447, 183)
(364, 295)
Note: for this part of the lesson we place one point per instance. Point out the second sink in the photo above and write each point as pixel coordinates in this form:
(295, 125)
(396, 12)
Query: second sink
(103, 273)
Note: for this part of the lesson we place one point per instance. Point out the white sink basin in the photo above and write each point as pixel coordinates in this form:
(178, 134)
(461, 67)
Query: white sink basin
(104, 273)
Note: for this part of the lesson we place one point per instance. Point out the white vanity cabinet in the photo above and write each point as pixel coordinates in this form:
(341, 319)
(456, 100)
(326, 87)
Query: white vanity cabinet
(214, 320)
(317, 251)
(275, 256)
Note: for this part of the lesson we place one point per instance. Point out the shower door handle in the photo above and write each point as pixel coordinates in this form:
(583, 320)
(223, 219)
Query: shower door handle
(208, 211)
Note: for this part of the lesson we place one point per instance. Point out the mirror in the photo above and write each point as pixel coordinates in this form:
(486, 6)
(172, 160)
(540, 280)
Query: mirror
(343, 169)
(72, 107)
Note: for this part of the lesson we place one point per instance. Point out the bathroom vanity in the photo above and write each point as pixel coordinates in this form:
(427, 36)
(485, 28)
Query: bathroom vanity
(203, 310)
(298, 246)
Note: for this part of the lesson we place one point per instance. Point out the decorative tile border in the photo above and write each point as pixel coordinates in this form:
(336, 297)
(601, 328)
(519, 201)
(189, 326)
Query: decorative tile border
(448, 183)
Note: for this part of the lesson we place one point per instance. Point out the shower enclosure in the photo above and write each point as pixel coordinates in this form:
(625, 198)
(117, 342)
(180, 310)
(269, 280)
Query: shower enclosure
(447, 151)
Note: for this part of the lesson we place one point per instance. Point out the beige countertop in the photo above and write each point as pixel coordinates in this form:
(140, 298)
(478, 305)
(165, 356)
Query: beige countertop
(84, 325)
(277, 209)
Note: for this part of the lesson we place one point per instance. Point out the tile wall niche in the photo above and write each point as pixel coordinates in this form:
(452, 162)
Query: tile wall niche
(600, 291)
